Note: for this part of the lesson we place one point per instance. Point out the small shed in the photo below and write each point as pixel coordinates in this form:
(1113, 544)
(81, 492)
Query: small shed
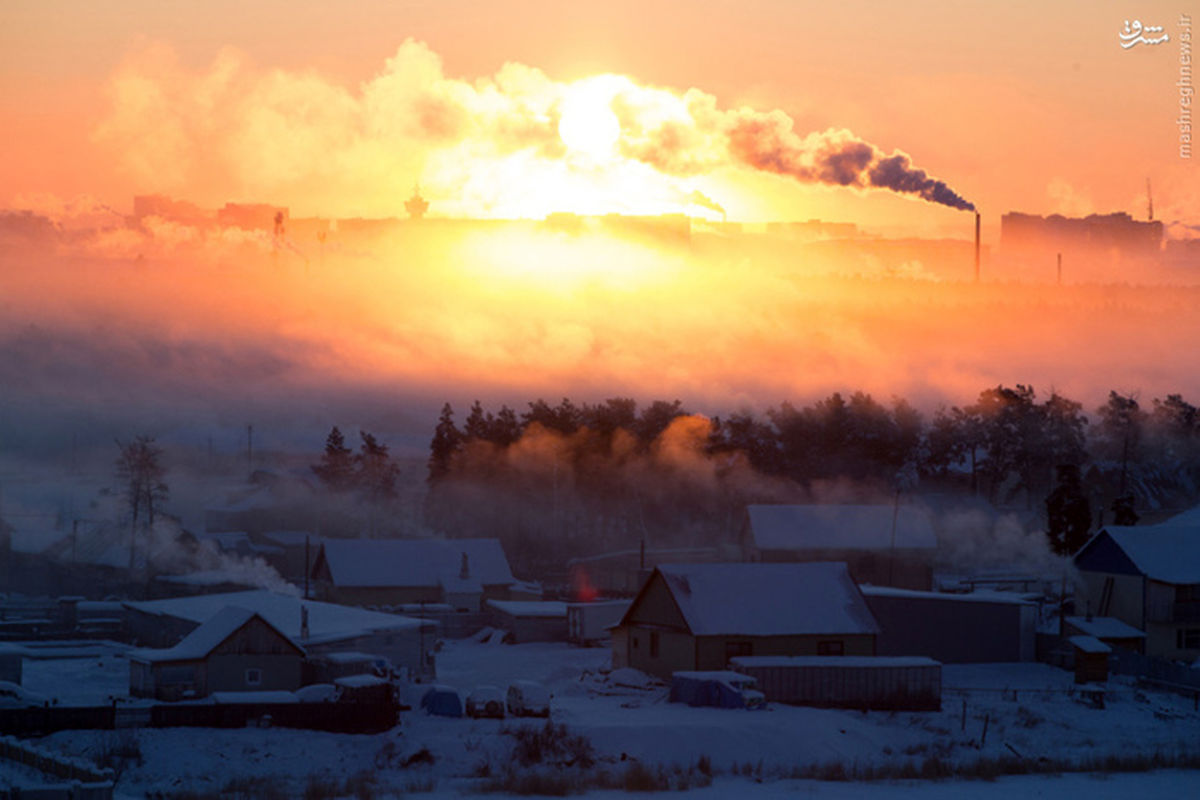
(530, 620)
(12, 660)
(590, 623)
(1110, 630)
(1091, 659)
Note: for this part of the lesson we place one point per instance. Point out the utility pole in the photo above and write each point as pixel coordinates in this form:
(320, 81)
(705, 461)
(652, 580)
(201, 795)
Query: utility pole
(1060, 269)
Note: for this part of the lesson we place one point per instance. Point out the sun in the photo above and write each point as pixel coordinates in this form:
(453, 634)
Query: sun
(588, 126)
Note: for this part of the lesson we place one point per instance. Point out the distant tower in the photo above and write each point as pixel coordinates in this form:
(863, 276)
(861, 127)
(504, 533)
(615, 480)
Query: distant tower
(416, 205)
(1149, 201)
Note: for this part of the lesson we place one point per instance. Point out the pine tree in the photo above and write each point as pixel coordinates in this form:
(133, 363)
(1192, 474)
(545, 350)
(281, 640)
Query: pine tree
(1068, 513)
(476, 426)
(377, 473)
(336, 469)
(447, 441)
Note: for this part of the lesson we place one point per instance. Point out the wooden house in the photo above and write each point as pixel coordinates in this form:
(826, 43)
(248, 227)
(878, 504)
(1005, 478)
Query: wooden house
(1148, 577)
(699, 616)
(235, 650)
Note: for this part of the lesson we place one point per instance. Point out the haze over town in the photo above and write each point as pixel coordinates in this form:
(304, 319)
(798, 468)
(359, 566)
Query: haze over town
(383, 340)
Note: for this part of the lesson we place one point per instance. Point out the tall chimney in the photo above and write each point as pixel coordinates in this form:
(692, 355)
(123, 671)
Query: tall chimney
(976, 246)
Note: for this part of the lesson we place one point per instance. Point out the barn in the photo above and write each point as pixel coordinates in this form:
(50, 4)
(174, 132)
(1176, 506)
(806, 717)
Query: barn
(377, 572)
(979, 627)
(883, 545)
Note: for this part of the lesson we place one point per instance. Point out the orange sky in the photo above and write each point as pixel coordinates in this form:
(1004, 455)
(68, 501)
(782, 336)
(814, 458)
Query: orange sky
(1014, 105)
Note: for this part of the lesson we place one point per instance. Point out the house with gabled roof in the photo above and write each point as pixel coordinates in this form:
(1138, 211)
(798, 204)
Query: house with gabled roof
(883, 545)
(460, 572)
(1147, 576)
(320, 628)
(699, 616)
(234, 650)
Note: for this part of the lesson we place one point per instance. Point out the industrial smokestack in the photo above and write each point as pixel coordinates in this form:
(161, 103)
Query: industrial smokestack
(977, 247)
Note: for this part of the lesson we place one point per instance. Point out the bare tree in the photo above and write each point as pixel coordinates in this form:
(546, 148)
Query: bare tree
(140, 470)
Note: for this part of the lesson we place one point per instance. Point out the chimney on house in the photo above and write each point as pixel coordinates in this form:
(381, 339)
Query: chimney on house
(464, 571)
(303, 621)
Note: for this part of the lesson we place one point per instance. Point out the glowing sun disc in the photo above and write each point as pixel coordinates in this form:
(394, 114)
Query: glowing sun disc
(588, 124)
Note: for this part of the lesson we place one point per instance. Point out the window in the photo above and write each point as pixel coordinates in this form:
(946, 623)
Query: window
(653, 644)
(1187, 638)
(253, 677)
(1187, 593)
(836, 648)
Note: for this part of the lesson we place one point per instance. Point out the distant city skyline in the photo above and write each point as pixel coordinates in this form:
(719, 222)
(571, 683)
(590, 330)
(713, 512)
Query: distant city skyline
(289, 102)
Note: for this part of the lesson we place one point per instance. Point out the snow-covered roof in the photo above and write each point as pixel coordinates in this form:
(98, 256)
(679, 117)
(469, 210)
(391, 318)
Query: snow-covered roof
(292, 538)
(724, 675)
(747, 662)
(530, 608)
(360, 681)
(966, 597)
(1089, 644)
(768, 599)
(1104, 628)
(204, 639)
(1167, 552)
(455, 584)
(414, 562)
(840, 527)
(349, 657)
(263, 696)
(327, 622)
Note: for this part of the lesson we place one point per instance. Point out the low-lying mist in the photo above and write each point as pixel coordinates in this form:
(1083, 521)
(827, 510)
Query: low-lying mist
(177, 328)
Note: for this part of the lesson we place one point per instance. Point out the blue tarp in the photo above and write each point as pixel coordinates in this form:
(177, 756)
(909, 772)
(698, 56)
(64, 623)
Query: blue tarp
(705, 692)
(442, 701)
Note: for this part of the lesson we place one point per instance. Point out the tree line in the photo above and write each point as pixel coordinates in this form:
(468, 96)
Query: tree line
(598, 471)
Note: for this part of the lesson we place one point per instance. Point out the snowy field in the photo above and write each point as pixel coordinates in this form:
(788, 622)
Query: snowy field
(1031, 712)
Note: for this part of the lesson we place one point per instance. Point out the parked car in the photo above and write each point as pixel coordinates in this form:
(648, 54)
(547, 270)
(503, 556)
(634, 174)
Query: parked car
(485, 701)
(528, 699)
(14, 695)
(442, 701)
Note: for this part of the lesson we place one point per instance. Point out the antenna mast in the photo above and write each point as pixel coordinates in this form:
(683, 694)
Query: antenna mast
(1149, 201)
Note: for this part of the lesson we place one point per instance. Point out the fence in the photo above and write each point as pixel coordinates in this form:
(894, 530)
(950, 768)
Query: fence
(332, 717)
(87, 781)
(1125, 662)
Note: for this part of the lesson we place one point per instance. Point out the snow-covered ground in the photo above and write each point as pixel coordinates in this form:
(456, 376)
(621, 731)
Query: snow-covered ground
(1031, 712)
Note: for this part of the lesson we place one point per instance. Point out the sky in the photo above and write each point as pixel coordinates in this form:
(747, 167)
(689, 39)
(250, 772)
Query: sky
(1021, 105)
(897, 118)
